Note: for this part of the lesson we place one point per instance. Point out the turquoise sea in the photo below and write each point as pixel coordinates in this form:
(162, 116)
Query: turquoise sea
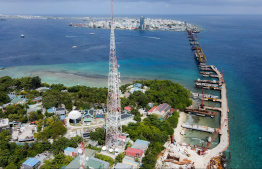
(230, 42)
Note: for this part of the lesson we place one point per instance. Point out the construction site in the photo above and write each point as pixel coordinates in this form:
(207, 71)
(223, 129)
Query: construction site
(177, 153)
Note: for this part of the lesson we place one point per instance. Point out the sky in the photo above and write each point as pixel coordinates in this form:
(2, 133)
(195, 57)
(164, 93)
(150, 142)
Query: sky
(131, 7)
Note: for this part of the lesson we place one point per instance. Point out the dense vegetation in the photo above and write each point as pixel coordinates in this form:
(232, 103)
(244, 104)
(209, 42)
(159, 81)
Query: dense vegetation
(12, 155)
(81, 96)
(56, 163)
(119, 158)
(7, 84)
(156, 132)
(99, 135)
(105, 158)
(54, 128)
(161, 91)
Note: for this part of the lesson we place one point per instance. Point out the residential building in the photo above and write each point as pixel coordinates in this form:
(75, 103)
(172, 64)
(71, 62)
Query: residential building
(69, 151)
(127, 108)
(12, 95)
(19, 100)
(126, 118)
(60, 111)
(42, 157)
(162, 111)
(142, 22)
(131, 161)
(132, 152)
(34, 107)
(4, 124)
(92, 163)
(31, 163)
(123, 166)
(141, 144)
(57, 111)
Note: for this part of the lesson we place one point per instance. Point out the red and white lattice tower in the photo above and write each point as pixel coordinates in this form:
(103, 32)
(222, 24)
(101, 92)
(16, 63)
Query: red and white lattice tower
(113, 120)
(81, 153)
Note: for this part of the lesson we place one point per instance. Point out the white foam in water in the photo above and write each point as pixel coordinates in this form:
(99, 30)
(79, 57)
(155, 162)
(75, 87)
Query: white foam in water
(200, 140)
(190, 119)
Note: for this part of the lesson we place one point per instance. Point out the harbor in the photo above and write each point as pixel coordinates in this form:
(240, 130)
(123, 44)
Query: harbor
(209, 154)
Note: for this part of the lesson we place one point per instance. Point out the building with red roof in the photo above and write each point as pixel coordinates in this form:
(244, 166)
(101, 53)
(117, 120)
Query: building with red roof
(162, 111)
(127, 108)
(134, 152)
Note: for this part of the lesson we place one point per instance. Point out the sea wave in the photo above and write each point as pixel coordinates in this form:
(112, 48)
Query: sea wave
(71, 36)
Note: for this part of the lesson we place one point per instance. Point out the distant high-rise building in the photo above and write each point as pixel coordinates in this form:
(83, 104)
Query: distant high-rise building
(142, 22)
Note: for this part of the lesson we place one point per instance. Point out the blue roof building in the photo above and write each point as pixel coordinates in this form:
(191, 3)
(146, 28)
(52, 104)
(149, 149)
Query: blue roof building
(11, 96)
(138, 85)
(70, 149)
(62, 117)
(51, 110)
(19, 100)
(142, 142)
(31, 163)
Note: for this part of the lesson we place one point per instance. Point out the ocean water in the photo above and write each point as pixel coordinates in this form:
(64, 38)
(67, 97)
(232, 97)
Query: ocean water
(230, 42)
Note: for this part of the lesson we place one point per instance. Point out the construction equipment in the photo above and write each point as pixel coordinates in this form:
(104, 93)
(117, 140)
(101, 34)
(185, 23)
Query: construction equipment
(187, 153)
(203, 151)
(202, 99)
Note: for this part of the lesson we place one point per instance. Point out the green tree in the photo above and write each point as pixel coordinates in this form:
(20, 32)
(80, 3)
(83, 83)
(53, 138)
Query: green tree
(119, 158)
(4, 98)
(33, 116)
(98, 135)
(11, 166)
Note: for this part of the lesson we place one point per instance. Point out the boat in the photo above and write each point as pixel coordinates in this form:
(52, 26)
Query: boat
(92, 33)
(70, 24)
(74, 46)
(22, 36)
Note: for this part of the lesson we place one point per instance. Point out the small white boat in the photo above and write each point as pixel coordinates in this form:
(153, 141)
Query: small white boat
(22, 36)
(92, 33)
(74, 46)
(182, 132)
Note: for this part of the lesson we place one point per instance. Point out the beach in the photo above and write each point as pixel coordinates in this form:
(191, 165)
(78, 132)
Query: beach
(177, 131)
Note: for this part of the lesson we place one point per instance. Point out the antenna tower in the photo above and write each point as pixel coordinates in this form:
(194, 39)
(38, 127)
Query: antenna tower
(113, 120)
(81, 152)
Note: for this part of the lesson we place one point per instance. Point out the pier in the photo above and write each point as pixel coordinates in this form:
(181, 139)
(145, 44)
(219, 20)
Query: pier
(201, 112)
(207, 86)
(224, 134)
(207, 81)
(213, 108)
(199, 128)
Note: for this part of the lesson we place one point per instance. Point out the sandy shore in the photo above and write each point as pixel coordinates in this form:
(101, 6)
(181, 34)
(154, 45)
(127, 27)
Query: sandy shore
(177, 131)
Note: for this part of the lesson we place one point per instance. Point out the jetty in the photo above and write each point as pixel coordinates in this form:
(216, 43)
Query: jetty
(199, 128)
(207, 86)
(201, 112)
(207, 81)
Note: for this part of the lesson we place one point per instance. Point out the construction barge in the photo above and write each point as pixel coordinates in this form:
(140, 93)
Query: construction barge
(199, 128)
(200, 56)
(207, 86)
(194, 43)
(207, 81)
(206, 96)
(201, 112)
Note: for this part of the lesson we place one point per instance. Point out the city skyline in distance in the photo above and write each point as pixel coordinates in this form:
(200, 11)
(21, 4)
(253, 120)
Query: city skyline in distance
(141, 7)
